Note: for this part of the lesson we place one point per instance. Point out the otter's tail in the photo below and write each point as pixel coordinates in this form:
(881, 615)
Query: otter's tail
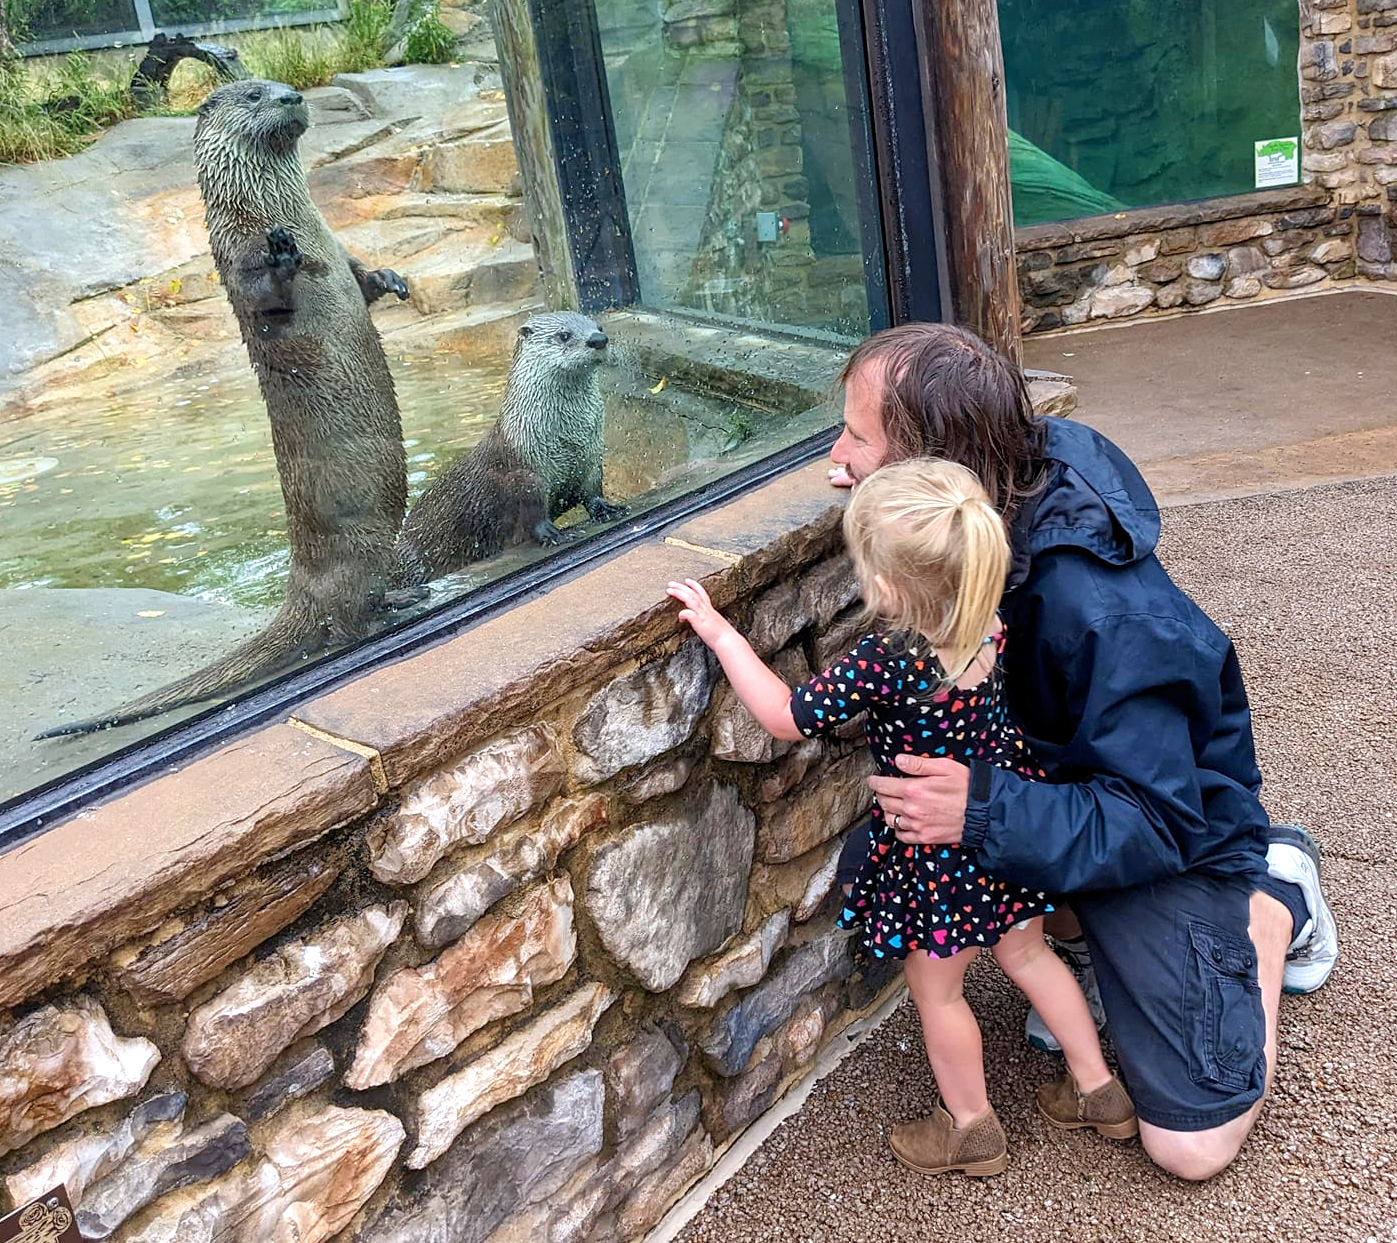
(292, 634)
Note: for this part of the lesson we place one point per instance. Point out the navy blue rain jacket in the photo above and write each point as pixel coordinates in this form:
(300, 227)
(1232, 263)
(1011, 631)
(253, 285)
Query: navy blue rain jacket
(1130, 697)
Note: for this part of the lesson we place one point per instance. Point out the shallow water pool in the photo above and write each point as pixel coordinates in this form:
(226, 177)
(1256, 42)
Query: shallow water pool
(177, 489)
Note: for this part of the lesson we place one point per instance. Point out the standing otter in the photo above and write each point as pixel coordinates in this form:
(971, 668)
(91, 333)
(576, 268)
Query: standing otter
(542, 457)
(301, 302)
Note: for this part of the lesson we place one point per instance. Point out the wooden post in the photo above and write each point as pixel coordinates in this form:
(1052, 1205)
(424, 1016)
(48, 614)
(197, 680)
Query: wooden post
(522, 72)
(963, 85)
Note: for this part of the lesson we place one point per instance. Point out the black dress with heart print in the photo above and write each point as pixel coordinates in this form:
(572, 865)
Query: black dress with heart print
(931, 898)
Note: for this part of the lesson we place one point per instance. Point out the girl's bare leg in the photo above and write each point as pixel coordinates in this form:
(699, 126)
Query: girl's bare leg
(950, 1032)
(1046, 981)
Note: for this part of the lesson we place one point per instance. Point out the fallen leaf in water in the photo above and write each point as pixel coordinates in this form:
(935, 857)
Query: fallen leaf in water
(660, 387)
(151, 613)
(176, 285)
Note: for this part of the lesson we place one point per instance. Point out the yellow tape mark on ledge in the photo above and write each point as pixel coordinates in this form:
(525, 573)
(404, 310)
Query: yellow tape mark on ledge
(732, 558)
(376, 769)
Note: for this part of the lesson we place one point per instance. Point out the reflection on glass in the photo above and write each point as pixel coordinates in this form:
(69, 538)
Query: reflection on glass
(1116, 105)
(144, 528)
(40, 21)
(733, 129)
(60, 19)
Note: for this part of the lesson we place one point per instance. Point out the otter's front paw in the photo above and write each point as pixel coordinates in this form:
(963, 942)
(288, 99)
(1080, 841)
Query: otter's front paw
(601, 510)
(404, 597)
(549, 535)
(282, 252)
(392, 282)
(374, 284)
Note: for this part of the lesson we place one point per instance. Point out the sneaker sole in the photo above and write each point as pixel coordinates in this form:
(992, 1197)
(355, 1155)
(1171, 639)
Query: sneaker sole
(975, 1169)
(1128, 1129)
(1294, 835)
(1300, 980)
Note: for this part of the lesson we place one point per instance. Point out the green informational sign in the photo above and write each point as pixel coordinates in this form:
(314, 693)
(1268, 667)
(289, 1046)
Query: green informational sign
(1277, 162)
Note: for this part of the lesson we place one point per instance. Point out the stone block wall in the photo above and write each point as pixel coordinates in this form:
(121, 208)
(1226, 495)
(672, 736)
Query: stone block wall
(530, 993)
(1338, 228)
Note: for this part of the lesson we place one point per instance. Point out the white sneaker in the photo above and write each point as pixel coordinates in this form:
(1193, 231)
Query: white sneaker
(1079, 961)
(1292, 855)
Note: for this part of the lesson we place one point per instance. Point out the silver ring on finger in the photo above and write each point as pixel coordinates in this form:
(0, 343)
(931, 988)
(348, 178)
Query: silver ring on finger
(897, 821)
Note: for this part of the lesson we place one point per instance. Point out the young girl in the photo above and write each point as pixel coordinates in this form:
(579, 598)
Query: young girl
(932, 556)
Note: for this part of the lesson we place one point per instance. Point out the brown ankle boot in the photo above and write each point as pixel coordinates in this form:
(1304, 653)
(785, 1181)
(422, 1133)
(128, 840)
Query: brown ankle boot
(933, 1145)
(1108, 1109)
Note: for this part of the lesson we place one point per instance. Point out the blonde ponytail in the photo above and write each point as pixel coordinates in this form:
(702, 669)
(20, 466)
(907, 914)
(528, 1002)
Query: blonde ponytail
(984, 565)
(932, 554)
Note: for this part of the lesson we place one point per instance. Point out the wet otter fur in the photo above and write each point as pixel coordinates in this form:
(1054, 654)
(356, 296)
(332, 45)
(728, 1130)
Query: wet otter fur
(542, 457)
(301, 303)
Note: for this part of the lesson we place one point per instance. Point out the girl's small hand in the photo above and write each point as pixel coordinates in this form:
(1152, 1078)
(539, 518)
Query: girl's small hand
(709, 624)
(840, 477)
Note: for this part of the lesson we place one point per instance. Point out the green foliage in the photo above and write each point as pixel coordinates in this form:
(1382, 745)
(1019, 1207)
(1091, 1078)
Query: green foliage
(301, 59)
(61, 117)
(363, 39)
(429, 40)
(44, 115)
(737, 426)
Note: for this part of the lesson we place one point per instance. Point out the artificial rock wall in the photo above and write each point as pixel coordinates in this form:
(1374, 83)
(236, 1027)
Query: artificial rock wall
(531, 994)
(1334, 231)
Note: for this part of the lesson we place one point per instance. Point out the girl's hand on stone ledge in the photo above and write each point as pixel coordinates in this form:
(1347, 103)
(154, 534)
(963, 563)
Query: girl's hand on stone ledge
(709, 624)
(840, 477)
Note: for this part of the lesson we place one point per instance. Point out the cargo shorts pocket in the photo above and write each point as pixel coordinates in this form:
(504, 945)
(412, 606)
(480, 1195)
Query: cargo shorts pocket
(1224, 1024)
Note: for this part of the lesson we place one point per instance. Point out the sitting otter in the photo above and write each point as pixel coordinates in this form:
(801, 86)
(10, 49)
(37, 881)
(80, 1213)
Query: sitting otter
(542, 457)
(301, 302)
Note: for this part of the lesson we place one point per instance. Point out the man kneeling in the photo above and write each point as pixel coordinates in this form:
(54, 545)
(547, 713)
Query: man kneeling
(1196, 909)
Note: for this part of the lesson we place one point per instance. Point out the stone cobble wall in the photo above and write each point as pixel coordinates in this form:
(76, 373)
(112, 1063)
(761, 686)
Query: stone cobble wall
(1336, 229)
(1185, 257)
(532, 996)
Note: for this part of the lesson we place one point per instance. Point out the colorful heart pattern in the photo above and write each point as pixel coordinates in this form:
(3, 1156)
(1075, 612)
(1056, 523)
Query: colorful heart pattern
(932, 898)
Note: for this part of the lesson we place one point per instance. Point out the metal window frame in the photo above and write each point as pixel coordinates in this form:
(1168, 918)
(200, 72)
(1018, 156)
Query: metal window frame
(900, 207)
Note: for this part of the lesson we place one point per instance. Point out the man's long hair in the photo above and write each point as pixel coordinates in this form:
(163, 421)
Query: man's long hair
(948, 394)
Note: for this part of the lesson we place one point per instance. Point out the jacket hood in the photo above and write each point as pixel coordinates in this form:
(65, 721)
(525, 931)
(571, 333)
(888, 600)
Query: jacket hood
(1095, 500)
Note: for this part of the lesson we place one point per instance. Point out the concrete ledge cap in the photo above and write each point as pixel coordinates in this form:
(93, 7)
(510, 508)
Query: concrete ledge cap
(117, 870)
(428, 708)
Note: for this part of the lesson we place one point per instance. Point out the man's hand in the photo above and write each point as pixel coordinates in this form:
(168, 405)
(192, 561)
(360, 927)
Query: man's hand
(926, 807)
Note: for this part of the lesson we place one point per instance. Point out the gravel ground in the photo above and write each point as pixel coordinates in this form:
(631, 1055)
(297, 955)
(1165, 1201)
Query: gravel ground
(1304, 583)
